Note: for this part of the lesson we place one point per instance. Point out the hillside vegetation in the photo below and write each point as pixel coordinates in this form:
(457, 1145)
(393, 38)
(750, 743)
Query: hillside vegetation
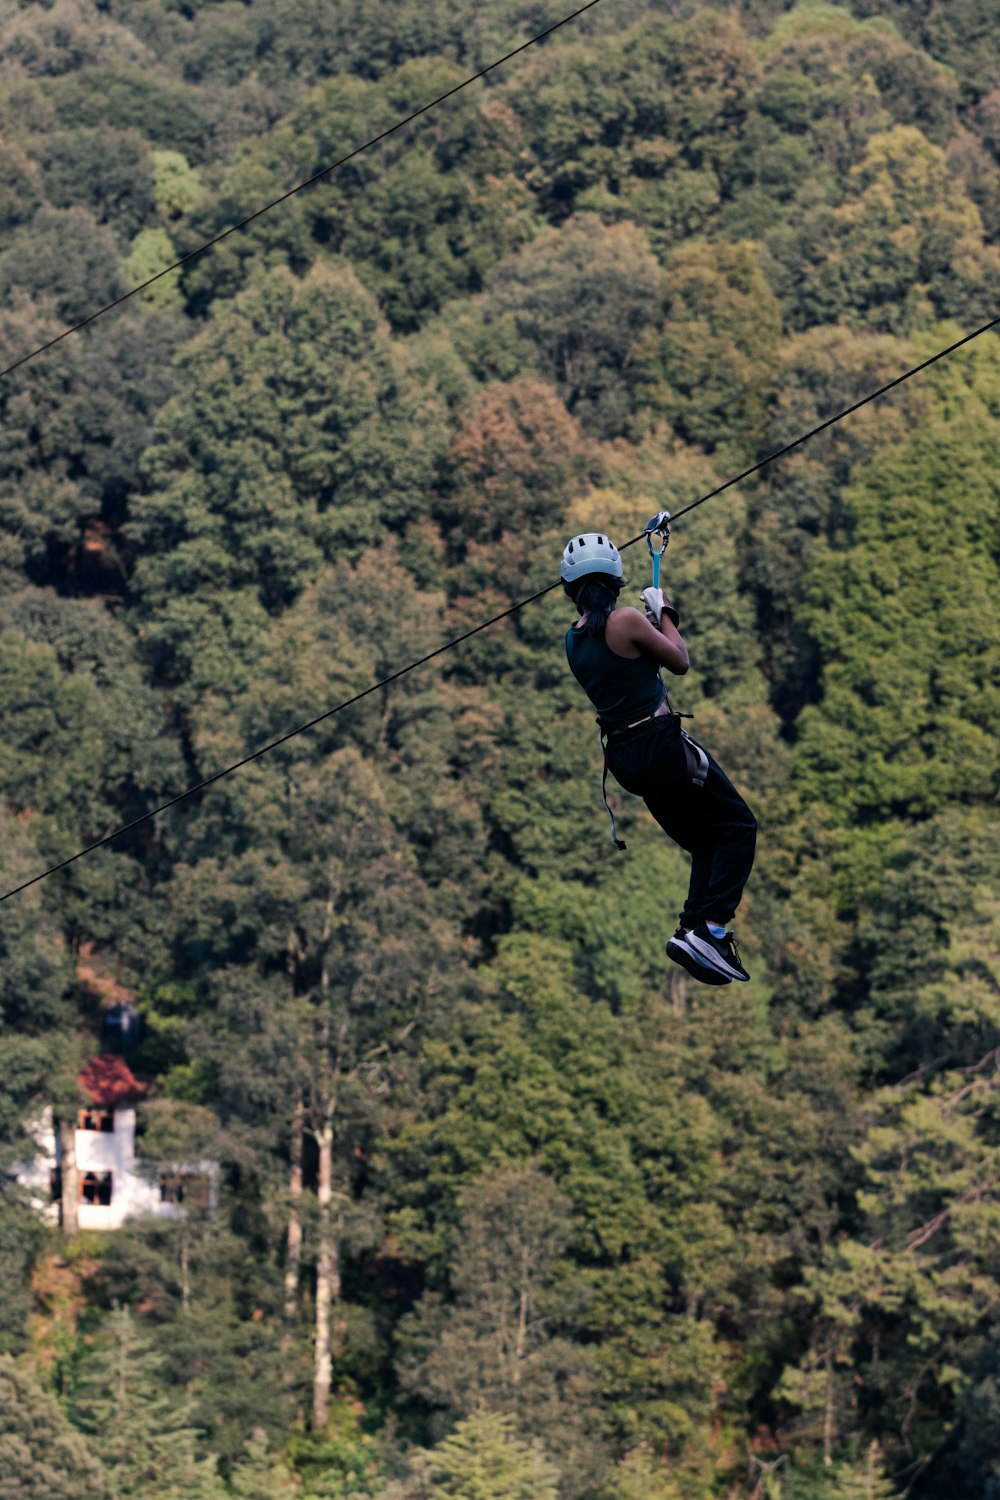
(506, 1212)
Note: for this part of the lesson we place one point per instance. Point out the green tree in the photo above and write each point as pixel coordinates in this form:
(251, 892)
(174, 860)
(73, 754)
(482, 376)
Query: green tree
(926, 917)
(798, 503)
(20, 185)
(35, 968)
(584, 296)
(168, 110)
(262, 1474)
(820, 55)
(85, 750)
(864, 1481)
(176, 185)
(107, 170)
(40, 1453)
(150, 253)
(917, 568)
(904, 1301)
(307, 899)
(906, 243)
(482, 1459)
(63, 259)
(295, 439)
(74, 427)
(65, 37)
(20, 1238)
(552, 1077)
(202, 1294)
(146, 1439)
(420, 225)
(641, 125)
(719, 343)
(497, 1345)
(40, 1056)
(975, 1462)
(640, 1476)
(343, 1464)
(960, 35)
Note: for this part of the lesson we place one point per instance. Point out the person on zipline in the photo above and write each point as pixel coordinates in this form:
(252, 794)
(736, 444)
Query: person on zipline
(616, 653)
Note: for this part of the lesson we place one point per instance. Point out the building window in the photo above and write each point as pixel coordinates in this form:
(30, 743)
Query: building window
(199, 1190)
(171, 1188)
(95, 1187)
(98, 1119)
(193, 1188)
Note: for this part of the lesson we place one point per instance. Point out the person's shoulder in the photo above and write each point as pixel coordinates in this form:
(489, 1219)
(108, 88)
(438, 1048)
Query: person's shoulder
(624, 619)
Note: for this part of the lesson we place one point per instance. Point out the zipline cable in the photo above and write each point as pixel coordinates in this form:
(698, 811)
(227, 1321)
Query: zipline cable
(830, 421)
(299, 187)
(493, 620)
(281, 740)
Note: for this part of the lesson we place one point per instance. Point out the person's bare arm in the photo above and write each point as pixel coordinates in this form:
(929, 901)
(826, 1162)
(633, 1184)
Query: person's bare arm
(665, 645)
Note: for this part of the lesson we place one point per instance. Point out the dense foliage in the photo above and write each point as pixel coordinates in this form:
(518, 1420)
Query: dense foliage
(505, 1211)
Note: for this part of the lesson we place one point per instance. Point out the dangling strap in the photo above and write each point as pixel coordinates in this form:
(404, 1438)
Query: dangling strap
(698, 779)
(672, 710)
(618, 843)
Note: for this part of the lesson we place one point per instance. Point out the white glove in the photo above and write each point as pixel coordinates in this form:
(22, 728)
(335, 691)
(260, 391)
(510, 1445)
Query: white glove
(654, 602)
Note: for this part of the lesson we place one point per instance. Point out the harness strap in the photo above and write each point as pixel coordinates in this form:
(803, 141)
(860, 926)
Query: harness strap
(700, 775)
(698, 779)
(618, 843)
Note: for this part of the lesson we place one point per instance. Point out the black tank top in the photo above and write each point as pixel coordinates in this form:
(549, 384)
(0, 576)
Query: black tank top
(622, 689)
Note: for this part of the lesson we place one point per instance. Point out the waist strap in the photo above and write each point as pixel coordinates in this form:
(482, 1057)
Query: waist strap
(614, 734)
(698, 777)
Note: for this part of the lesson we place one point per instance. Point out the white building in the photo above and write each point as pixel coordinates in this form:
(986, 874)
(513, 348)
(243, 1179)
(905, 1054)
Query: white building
(111, 1188)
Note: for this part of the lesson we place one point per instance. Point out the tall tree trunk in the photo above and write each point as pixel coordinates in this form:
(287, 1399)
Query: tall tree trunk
(70, 1177)
(293, 1255)
(185, 1268)
(327, 1277)
(828, 1431)
(677, 988)
(328, 1245)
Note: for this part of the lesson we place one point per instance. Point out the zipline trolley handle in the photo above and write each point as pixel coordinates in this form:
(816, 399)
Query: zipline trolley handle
(659, 526)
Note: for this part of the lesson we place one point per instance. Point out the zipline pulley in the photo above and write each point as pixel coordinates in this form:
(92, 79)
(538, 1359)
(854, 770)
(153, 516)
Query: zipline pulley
(659, 526)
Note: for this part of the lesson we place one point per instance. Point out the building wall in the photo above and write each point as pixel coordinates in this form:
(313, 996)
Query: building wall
(132, 1194)
(36, 1175)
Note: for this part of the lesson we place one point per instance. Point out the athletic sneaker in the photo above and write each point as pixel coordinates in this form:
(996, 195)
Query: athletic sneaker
(680, 950)
(721, 952)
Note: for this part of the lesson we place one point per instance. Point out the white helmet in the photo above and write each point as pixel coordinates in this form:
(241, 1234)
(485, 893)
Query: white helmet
(590, 553)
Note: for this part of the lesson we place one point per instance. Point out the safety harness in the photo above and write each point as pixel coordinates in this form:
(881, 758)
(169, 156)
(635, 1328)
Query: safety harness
(658, 526)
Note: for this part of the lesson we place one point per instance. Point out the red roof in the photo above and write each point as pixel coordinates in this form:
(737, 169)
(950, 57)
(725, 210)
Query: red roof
(110, 1081)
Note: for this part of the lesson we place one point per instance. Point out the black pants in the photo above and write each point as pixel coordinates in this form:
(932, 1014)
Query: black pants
(712, 822)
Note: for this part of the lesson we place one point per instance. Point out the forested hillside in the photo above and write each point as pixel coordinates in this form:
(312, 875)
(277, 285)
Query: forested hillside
(504, 1211)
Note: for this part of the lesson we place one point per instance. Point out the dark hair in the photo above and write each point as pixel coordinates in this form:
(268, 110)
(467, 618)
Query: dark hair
(595, 596)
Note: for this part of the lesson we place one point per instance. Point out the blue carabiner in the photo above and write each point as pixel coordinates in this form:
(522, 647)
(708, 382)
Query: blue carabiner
(658, 525)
